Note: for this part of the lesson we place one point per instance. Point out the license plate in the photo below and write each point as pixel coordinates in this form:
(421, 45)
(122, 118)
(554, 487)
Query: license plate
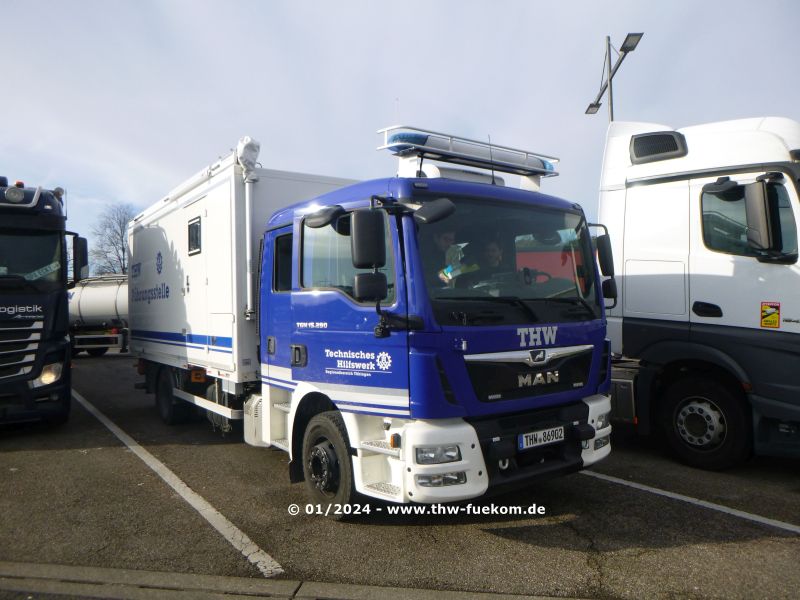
(540, 438)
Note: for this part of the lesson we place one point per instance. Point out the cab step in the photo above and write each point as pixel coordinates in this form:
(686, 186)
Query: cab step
(283, 406)
(381, 447)
(281, 444)
(384, 488)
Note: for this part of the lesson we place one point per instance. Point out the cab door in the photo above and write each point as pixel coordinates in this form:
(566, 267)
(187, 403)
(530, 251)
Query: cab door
(334, 345)
(729, 285)
(276, 307)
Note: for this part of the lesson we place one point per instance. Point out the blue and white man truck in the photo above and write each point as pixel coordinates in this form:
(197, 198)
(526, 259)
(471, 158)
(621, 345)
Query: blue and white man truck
(343, 331)
(34, 327)
(704, 223)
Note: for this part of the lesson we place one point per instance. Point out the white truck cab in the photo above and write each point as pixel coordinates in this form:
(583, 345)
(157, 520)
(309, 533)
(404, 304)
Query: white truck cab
(703, 221)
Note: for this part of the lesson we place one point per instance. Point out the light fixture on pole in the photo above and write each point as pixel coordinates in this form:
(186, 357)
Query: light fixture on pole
(629, 45)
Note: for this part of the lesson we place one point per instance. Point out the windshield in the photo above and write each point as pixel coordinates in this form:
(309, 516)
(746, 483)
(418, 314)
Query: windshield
(30, 259)
(495, 263)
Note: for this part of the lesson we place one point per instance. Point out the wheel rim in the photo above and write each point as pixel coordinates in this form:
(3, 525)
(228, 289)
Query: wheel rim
(323, 468)
(700, 423)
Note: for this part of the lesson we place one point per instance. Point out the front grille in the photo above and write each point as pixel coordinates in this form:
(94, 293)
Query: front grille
(499, 381)
(19, 342)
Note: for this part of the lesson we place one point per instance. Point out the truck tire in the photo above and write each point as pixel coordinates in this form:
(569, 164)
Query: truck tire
(96, 351)
(172, 410)
(327, 467)
(706, 423)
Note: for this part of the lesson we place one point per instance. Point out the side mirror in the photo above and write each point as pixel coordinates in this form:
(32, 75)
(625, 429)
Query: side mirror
(324, 216)
(722, 185)
(368, 239)
(433, 211)
(370, 287)
(760, 235)
(610, 291)
(605, 255)
(80, 258)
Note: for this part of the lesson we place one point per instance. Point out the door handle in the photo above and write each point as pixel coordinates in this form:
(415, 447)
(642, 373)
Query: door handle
(271, 344)
(706, 309)
(299, 355)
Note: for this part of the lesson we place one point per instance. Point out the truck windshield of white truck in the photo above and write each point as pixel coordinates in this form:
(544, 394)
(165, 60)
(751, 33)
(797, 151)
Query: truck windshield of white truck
(490, 263)
(30, 259)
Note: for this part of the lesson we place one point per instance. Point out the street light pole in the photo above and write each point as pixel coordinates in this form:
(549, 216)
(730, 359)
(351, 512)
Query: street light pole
(609, 79)
(629, 45)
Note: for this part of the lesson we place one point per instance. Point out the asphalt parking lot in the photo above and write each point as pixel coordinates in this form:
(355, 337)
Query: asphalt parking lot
(76, 497)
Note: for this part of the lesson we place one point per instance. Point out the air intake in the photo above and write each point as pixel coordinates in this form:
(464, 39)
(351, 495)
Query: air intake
(652, 147)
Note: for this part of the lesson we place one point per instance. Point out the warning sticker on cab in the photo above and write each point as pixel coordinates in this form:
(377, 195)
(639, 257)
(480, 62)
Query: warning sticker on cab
(771, 315)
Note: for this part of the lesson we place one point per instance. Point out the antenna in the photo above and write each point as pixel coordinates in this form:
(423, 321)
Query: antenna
(491, 159)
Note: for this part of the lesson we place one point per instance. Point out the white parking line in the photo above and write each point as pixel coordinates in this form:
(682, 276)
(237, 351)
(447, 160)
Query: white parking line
(697, 502)
(237, 538)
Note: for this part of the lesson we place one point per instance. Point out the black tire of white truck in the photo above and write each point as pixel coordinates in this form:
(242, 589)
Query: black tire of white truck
(706, 423)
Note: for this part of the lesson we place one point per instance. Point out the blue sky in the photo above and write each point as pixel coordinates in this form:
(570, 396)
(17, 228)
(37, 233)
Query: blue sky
(121, 100)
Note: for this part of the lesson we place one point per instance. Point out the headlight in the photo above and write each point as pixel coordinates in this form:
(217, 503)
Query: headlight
(436, 455)
(602, 421)
(50, 374)
(456, 478)
(15, 195)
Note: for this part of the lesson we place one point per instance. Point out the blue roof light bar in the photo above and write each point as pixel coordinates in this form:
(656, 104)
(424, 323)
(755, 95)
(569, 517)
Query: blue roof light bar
(405, 141)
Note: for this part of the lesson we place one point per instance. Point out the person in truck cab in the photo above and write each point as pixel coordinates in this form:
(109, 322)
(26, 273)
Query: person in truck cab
(440, 251)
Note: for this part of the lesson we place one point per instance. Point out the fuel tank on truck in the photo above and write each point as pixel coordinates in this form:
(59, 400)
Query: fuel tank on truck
(101, 300)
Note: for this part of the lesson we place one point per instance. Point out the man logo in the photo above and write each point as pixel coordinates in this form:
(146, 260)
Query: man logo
(531, 380)
(538, 357)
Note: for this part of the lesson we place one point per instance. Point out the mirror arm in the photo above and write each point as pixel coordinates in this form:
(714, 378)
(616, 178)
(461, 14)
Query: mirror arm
(383, 327)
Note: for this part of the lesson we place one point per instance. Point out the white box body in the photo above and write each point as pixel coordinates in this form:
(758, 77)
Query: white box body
(188, 298)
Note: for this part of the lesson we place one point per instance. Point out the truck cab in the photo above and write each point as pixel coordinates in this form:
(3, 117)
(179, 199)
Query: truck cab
(481, 363)
(34, 342)
(704, 225)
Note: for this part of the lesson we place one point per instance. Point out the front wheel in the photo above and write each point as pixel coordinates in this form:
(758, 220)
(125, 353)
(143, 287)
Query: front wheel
(706, 423)
(327, 467)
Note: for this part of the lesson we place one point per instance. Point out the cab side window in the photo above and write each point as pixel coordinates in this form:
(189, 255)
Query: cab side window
(282, 267)
(725, 220)
(328, 262)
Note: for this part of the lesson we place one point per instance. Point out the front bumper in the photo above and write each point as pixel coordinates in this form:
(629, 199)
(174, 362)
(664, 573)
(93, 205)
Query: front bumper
(19, 403)
(490, 458)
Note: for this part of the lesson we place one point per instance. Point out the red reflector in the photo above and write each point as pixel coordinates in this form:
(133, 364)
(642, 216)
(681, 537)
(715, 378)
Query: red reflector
(114, 331)
(19, 184)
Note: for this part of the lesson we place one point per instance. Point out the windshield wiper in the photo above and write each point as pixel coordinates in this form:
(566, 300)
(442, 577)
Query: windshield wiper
(573, 300)
(14, 280)
(518, 302)
(466, 318)
(512, 300)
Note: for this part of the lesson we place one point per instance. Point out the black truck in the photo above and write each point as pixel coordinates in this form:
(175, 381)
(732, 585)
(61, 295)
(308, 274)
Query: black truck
(34, 325)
